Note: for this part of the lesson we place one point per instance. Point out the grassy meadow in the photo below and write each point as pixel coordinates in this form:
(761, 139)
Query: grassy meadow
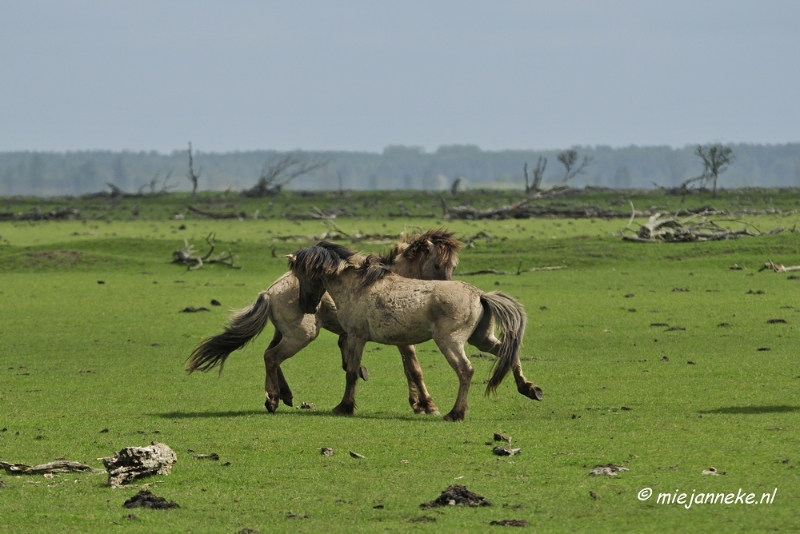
(656, 357)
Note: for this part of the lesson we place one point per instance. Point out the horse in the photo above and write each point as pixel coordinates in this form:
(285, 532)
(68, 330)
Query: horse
(373, 304)
(430, 255)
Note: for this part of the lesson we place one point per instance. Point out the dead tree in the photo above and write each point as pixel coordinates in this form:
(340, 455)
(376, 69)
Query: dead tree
(279, 171)
(569, 158)
(191, 175)
(166, 187)
(454, 187)
(538, 173)
(715, 158)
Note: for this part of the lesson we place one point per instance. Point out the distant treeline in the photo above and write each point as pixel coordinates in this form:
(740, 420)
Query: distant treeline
(398, 167)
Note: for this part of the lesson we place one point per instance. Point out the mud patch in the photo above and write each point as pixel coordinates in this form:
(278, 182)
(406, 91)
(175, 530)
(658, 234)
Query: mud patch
(145, 499)
(456, 495)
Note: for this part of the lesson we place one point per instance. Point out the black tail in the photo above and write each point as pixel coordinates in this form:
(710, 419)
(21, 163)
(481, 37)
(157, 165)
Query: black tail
(243, 327)
(510, 317)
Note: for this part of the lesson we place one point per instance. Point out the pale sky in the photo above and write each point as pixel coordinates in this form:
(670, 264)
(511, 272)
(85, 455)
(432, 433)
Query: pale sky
(361, 75)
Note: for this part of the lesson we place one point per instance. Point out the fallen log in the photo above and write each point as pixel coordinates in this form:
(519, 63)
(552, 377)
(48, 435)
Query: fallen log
(216, 214)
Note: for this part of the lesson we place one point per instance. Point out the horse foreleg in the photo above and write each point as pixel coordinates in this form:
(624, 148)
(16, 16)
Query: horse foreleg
(454, 352)
(418, 396)
(362, 371)
(353, 353)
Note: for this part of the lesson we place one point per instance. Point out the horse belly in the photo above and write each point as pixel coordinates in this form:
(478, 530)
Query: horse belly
(400, 318)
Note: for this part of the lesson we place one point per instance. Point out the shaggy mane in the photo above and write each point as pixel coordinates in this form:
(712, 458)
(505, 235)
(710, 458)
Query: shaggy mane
(414, 246)
(371, 269)
(321, 259)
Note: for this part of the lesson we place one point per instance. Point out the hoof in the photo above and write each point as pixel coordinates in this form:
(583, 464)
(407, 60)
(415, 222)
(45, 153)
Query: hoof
(363, 373)
(532, 391)
(344, 409)
(426, 408)
(454, 416)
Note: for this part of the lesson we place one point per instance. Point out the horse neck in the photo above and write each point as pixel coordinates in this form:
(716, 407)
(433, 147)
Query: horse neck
(406, 269)
(340, 285)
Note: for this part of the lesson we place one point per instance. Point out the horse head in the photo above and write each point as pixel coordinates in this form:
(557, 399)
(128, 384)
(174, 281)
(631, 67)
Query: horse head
(429, 256)
(311, 265)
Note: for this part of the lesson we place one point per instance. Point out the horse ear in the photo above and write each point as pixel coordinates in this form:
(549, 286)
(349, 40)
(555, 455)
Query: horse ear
(291, 257)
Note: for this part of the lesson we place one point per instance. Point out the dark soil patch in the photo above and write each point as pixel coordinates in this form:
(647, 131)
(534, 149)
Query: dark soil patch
(510, 523)
(456, 495)
(423, 519)
(192, 309)
(145, 499)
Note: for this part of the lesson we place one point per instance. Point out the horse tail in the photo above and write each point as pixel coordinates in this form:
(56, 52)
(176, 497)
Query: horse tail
(508, 314)
(243, 326)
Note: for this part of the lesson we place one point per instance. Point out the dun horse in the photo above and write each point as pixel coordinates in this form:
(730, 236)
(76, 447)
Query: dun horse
(431, 255)
(375, 305)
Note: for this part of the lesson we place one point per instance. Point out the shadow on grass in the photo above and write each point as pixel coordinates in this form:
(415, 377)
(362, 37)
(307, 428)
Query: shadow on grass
(752, 409)
(200, 415)
(295, 413)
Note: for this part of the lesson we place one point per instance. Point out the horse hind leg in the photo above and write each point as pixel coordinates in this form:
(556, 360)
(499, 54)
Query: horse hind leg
(454, 353)
(485, 341)
(275, 387)
(524, 386)
(418, 396)
(285, 391)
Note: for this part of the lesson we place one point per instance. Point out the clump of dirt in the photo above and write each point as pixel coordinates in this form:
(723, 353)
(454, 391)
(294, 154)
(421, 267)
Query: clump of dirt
(456, 495)
(145, 499)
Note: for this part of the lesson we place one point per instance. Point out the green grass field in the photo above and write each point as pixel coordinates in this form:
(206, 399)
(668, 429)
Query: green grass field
(650, 357)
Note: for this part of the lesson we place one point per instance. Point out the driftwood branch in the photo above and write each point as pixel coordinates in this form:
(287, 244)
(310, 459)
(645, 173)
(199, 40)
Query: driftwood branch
(187, 256)
(59, 466)
(778, 268)
(134, 462)
(666, 228)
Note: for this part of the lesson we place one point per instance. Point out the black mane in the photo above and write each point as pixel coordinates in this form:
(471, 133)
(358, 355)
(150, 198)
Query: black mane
(323, 258)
